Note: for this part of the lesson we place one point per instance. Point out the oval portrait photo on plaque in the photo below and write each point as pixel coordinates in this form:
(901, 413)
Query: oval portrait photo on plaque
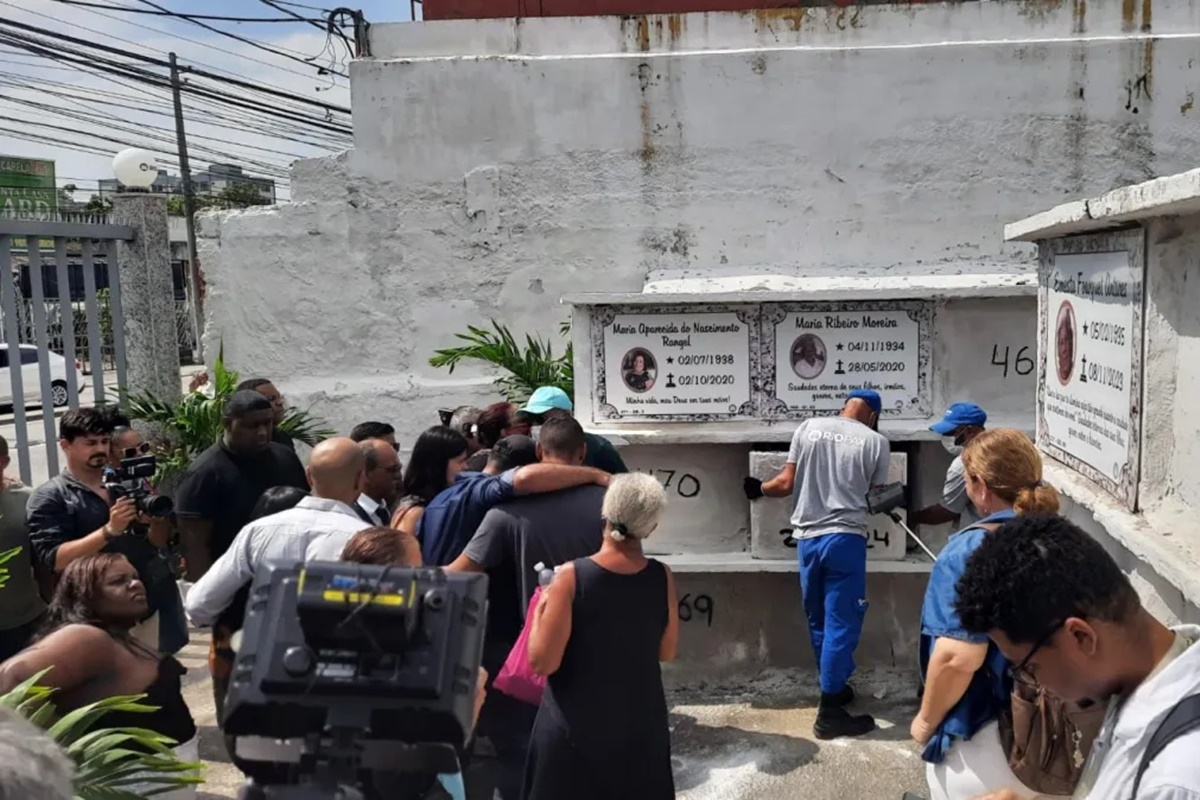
(808, 356)
(1064, 342)
(638, 370)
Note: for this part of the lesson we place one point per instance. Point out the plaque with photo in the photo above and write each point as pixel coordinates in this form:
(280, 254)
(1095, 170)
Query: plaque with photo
(675, 362)
(815, 353)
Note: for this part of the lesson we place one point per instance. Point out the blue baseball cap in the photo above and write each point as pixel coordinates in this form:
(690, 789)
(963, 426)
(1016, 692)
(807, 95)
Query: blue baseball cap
(868, 396)
(957, 415)
(546, 398)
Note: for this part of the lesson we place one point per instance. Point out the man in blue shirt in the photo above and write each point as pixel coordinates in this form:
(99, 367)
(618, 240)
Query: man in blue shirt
(962, 423)
(452, 518)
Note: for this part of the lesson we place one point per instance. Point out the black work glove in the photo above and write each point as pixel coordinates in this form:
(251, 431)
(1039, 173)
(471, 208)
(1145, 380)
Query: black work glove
(752, 487)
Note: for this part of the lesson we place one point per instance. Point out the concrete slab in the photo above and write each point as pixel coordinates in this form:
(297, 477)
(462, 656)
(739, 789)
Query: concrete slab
(770, 525)
(730, 741)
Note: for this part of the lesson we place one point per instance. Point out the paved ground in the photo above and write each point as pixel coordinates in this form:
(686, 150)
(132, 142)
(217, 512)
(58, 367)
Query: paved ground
(730, 742)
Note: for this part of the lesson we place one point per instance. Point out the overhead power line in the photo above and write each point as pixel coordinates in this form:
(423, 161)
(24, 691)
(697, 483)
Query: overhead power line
(299, 59)
(162, 32)
(181, 15)
(161, 63)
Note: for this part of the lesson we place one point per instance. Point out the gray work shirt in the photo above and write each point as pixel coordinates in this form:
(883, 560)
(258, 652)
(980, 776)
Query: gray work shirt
(837, 461)
(954, 495)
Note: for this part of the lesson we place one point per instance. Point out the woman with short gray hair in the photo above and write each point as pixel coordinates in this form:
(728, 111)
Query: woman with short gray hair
(600, 631)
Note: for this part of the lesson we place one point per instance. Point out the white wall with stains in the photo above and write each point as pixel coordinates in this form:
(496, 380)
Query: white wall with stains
(498, 164)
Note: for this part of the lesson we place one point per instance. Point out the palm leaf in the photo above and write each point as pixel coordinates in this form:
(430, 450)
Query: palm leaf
(524, 367)
(196, 422)
(107, 760)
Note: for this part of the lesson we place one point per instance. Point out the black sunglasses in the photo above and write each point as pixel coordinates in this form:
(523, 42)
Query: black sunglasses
(1020, 673)
(134, 452)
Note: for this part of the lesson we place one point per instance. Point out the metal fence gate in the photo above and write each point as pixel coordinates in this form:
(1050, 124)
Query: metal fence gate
(60, 299)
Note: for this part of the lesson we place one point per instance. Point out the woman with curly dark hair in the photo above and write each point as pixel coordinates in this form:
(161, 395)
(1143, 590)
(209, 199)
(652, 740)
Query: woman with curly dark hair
(90, 654)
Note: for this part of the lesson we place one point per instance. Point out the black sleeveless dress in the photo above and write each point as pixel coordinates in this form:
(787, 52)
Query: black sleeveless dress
(172, 717)
(601, 732)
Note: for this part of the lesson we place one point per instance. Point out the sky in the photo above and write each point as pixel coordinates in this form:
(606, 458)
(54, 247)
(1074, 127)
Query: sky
(43, 99)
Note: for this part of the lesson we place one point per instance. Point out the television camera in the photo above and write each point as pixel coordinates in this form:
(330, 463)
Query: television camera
(350, 674)
(130, 479)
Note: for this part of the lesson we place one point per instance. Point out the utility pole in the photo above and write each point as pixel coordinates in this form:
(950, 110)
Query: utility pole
(189, 211)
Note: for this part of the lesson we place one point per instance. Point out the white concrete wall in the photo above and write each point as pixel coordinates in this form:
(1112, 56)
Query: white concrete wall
(499, 164)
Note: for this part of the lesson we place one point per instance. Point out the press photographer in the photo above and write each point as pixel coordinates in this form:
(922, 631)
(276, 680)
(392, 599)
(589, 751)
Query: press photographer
(79, 513)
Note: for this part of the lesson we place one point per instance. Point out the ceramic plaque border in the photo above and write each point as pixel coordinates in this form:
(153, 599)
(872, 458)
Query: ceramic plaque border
(602, 315)
(1133, 244)
(920, 311)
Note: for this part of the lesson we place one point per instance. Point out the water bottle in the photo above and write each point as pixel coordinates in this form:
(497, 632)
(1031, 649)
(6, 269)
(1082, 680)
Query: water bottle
(545, 574)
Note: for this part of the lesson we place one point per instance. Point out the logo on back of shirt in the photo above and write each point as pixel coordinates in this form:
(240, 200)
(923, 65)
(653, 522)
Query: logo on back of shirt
(837, 438)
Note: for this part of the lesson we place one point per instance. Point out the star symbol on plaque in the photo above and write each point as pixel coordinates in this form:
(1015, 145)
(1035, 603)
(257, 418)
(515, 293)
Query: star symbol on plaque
(1085, 329)
(840, 346)
(671, 359)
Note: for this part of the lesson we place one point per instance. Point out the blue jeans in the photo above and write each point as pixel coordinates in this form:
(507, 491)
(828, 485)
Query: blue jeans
(833, 579)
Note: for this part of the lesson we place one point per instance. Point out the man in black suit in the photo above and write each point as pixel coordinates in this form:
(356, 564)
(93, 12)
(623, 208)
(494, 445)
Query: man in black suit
(382, 482)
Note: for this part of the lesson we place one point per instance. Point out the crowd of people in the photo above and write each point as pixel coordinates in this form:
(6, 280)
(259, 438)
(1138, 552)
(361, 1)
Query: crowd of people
(1026, 620)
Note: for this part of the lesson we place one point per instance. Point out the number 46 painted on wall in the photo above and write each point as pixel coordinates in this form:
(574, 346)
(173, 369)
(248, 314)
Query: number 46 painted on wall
(1022, 364)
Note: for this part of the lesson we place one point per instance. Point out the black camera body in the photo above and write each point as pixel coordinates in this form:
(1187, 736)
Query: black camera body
(373, 667)
(129, 480)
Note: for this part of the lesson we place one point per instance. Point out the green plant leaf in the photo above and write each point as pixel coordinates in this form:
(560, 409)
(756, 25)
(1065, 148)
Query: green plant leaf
(194, 423)
(523, 367)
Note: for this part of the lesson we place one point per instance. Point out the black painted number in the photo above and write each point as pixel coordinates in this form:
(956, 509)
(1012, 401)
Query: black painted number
(788, 541)
(685, 484)
(879, 537)
(701, 605)
(1021, 364)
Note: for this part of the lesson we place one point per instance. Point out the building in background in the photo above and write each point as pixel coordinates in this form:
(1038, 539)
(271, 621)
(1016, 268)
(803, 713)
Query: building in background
(208, 183)
(27, 188)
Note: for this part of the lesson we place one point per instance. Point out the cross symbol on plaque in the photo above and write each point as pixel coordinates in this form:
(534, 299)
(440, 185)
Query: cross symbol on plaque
(839, 370)
(1083, 370)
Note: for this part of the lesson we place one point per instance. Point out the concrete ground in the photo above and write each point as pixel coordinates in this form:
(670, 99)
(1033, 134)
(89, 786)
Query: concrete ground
(729, 741)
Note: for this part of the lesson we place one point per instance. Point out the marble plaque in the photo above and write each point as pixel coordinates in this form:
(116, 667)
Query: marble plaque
(675, 363)
(770, 517)
(1090, 362)
(817, 352)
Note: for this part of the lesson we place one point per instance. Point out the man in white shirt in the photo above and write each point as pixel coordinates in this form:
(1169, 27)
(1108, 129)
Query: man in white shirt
(335, 472)
(1060, 609)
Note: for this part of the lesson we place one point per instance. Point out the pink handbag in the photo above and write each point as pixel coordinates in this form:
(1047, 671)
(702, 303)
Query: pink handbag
(517, 679)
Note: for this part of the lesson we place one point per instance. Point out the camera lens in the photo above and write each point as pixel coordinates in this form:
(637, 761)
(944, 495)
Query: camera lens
(157, 505)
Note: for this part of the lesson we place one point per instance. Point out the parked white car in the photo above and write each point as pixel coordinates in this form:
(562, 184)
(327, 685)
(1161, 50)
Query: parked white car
(31, 381)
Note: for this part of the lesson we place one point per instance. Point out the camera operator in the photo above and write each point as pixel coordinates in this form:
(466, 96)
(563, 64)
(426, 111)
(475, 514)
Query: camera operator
(128, 444)
(75, 515)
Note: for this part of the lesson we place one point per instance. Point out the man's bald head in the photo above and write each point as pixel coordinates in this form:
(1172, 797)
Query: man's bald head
(335, 469)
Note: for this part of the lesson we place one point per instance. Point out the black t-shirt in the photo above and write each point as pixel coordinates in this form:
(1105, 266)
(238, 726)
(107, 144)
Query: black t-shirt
(223, 486)
(602, 455)
(279, 437)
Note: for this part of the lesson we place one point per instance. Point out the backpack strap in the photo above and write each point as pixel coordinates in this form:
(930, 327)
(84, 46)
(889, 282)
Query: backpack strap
(1182, 719)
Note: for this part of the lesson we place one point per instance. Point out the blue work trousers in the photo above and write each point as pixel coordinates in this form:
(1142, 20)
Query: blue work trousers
(833, 579)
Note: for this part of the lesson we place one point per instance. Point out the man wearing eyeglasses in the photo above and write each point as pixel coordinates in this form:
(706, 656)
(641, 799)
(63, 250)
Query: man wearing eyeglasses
(381, 484)
(1059, 607)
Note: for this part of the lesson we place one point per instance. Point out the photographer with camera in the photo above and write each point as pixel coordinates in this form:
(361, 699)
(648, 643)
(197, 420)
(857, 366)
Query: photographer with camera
(78, 514)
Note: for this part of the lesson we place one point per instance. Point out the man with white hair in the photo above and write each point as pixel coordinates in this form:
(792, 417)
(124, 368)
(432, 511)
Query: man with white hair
(32, 766)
